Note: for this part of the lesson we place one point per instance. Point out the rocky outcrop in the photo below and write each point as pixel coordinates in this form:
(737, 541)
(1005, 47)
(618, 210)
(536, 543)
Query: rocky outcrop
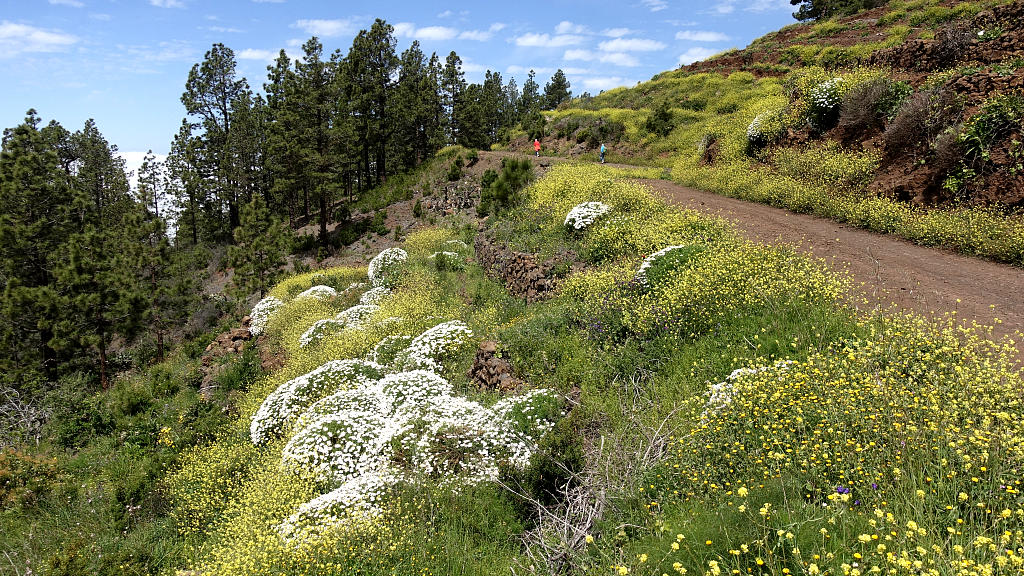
(991, 36)
(228, 343)
(522, 275)
(491, 372)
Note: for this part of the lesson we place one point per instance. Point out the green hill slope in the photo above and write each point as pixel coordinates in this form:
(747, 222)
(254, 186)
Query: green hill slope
(905, 119)
(684, 402)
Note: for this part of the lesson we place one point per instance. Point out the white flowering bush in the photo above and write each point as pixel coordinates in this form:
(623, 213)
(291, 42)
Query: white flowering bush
(764, 129)
(338, 446)
(320, 330)
(388, 348)
(319, 291)
(721, 394)
(375, 295)
(385, 267)
(585, 214)
(406, 426)
(427, 350)
(825, 101)
(414, 387)
(356, 316)
(290, 399)
(261, 314)
(645, 266)
(357, 502)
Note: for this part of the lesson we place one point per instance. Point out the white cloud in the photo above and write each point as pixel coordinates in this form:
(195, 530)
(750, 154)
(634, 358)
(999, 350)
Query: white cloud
(403, 29)
(655, 5)
(100, 17)
(724, 7)
(435, 33)
(167, 3)
(327, 28)
(696, 54)
(619, 59)
(223, 30)
(257, 54)
(446, 14)
(766, 5)
(546, 41)
(578, 54)
(19, 38)
(616, 32)
(598, 83)
(616, 58)
(72, 3)
(566, 27)
(631, 45)
(701, 36)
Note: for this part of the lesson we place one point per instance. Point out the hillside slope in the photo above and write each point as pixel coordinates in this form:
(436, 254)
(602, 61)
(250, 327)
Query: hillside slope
(917, 134)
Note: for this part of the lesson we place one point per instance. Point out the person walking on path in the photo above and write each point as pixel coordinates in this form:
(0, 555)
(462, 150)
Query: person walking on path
(602, 152)
(536, 146)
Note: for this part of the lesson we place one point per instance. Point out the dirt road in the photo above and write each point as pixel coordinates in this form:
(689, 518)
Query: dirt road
(886, 269)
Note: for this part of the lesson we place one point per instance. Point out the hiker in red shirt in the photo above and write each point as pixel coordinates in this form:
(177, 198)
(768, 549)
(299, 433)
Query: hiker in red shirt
(536, 146)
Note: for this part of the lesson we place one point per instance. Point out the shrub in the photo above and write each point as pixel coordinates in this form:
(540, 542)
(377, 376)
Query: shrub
(503, 191)
(868, 105)
(921, 117)
(763, 130)
(998, 117)
(417, 209)
(661, 121)
(455, 169)
(825, 103)
(24, 477)
(667, 262)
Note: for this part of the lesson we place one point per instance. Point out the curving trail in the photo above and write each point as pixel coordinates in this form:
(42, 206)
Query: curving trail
(886, 269)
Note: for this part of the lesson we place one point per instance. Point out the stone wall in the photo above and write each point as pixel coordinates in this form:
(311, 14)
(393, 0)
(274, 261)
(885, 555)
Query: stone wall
(522, 275)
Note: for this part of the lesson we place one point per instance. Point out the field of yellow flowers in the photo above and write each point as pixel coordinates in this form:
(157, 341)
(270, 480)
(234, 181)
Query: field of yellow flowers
(693, 404)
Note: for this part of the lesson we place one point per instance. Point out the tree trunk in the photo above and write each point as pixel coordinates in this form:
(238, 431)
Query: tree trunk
(103, 362)
(323, 219)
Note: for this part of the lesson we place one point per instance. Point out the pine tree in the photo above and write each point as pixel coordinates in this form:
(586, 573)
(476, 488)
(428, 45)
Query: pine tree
(259, 251)
(557, 90)
(314, 100)
(453, 83)
(36, 206)
(97, 287)
(211, 93)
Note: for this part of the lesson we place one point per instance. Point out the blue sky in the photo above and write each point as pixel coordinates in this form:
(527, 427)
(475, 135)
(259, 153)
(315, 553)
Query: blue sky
(125, 62)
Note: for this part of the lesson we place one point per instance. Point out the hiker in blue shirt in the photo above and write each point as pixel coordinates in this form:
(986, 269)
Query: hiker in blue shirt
(602, 153)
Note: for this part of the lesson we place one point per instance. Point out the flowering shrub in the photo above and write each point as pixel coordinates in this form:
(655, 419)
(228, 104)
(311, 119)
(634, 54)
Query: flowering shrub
(320, 330)
(406, 426)
(825, 103)
(356, 501)
(641, 274)
(261, 314)
(284, 404)
(583, 215)
(720, 395)
(433, 346)
(356, 316)
(319, 291)
(374, 295)
(764, 129)
(337, 447)
(448, 260)
(384, 267)
(384, 352)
